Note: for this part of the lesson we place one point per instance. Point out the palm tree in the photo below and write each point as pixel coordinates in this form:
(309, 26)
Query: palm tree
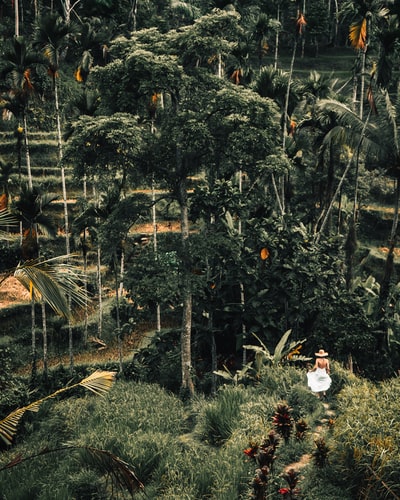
(368, 17)
(278, 86)
(260, 35)
(30, 207)
(17, 65)
(51, 35)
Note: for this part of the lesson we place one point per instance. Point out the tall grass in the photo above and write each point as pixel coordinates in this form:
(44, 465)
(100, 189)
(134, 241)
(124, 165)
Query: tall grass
(217, 421)
(365, 441)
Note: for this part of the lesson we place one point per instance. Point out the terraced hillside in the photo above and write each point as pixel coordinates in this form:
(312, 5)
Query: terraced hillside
(43, 160)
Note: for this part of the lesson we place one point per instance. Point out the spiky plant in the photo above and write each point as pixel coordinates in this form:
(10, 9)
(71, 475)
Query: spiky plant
(320, 454)
(291, 492)
(283, 421)
(301, 429)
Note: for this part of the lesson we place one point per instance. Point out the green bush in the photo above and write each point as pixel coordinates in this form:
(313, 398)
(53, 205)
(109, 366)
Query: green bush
(219, 416)
(302, 401)
(279, 380)
(13, 391)
(322, 483)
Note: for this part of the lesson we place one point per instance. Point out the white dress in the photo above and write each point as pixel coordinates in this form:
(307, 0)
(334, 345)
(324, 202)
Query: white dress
(319, 380)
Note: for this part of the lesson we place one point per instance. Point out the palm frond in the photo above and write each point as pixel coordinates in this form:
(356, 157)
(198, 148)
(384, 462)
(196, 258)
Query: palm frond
(9, 425)
(99, 382)
(121, 472)
(8, 219)
(358, 34)
(54, 280)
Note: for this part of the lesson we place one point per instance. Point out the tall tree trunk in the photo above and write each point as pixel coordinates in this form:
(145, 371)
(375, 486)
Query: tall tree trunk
(278, 15)
(33, 344)
(100, 293)
(186, 330)
(282, 203)
(241, 285)
(44, 331)
(65, 204)
(62, 168)
(118, 319)
(85, 284)
(214, 365)
(155, 248)
(16, 11)
(27, 153)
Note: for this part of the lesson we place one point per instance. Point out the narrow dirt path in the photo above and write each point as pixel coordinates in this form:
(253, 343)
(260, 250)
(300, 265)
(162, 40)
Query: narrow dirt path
(317, 431)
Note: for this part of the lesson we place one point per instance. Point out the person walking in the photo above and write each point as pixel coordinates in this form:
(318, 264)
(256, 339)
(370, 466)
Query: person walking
(318, 378)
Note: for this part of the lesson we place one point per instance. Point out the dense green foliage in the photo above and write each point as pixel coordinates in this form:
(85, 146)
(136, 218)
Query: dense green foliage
(196, 450)
(285, 187)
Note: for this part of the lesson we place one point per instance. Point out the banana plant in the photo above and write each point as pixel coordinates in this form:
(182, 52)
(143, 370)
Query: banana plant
(235, 378)
(283, 351)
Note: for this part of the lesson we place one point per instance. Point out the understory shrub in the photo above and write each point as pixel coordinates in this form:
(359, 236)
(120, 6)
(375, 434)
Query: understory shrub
(365, 449)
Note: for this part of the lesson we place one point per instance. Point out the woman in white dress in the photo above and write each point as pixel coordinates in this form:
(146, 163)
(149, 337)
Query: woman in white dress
(318, 378)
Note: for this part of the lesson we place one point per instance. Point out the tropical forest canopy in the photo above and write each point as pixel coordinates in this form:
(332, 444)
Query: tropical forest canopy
(201, 112)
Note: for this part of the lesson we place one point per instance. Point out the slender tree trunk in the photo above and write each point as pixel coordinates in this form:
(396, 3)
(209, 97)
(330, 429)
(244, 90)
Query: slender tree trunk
(278, 15)
(336, 31)
(362, 81)
(62, 168)
(118, 319)
(186, 331)
(134, 14)
(155, 248)
(65, 204)
(214, 364)
(16, 10)
(241, 285)
(33, 343)
(85, 284)
(44, 330)
(285, 121)
(27, 153)
(100, 293)
(121, 273)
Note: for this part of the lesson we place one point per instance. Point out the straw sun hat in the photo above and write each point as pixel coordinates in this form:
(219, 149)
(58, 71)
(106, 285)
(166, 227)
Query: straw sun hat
(321, 354)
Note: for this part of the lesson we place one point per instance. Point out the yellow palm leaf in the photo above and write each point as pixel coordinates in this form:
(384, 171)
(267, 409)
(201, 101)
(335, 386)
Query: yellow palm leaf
(98, 382)
(358, 35)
